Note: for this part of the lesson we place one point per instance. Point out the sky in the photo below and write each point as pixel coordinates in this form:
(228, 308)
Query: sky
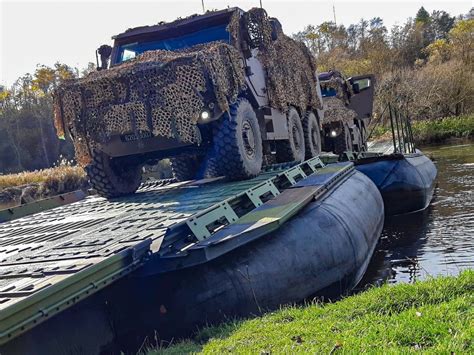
(69, 31)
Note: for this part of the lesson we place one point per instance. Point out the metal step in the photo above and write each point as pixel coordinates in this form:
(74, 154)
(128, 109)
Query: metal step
(27, 209)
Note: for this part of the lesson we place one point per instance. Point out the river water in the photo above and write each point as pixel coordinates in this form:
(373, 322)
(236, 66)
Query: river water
(439, 240)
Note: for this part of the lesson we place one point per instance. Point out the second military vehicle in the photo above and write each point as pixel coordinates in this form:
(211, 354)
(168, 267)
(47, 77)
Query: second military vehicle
(347, 110)
(220, 94)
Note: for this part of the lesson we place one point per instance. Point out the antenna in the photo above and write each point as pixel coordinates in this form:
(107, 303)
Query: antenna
(261, 4)
(203, 8)
(334, 13)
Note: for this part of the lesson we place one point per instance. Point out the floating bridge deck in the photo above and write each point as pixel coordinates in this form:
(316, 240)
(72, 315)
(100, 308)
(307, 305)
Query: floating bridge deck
(55, 258)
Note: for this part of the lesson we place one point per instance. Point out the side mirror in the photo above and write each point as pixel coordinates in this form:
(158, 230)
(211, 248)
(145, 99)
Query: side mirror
(105, 51)
(361, 83)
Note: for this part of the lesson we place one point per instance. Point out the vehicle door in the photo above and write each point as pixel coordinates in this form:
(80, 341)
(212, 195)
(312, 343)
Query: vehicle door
(363, 99)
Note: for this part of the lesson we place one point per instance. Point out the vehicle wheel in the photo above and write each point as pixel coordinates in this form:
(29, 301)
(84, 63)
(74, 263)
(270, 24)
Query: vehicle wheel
(343, 142)
(364, 137)
(237, 151)
(312, 135)
(111, 177)
(292, 149)
(358, 139)
(187, 167)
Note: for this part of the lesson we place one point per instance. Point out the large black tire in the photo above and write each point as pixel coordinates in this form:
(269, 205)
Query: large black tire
(111, 177)
(343, 142)
(237, 151)
(363, 133)
(357, 139)
(292, 149)
(312, 135)
(187, 167)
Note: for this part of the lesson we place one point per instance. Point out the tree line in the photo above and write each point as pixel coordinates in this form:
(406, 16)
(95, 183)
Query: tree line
(28, 139)
(428, 62)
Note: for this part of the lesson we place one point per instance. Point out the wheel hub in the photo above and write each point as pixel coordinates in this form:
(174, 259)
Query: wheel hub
(248, 138)
(296, 138)
(314, 136)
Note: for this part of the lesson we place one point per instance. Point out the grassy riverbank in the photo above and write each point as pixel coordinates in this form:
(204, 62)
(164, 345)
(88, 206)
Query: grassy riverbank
(436, 131)
(29, 186)
(47, 176)
(435, 316)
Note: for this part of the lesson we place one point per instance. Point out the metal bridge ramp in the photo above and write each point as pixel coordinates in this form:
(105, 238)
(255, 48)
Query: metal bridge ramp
(53, 259)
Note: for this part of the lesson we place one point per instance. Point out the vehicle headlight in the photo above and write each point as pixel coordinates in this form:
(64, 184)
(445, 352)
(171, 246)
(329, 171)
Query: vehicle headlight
(205, 115)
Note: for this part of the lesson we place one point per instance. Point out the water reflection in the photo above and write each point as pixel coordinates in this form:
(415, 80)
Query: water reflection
(439, 240)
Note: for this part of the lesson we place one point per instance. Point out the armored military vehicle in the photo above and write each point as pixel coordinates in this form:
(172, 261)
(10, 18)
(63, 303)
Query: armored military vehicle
(220, 94)
(348, 107)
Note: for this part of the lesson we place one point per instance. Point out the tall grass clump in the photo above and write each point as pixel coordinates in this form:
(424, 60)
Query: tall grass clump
(29, 186)
(59, 178)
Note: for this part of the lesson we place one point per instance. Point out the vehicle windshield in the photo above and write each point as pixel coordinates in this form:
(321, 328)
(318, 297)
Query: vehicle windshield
(328, 92)
(217, 33)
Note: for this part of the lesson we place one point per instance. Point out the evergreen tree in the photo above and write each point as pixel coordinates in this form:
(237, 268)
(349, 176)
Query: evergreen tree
(441, 24)
(422, 16)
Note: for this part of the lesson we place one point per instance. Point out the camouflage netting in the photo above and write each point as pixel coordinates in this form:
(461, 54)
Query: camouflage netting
(159, 92)
(234, 29)
(290, 67)
(335, 110)
(343, 90)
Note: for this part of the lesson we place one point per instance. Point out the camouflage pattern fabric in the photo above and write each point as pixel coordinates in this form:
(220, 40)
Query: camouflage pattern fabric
(290, 67)
(335, 107)
(343, 89)
(335, 110)
(162, 92)
(159, 92)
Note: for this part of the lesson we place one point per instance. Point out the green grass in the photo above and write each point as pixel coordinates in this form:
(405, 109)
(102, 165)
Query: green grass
(439, 130)
(435, 131)
(436, 316)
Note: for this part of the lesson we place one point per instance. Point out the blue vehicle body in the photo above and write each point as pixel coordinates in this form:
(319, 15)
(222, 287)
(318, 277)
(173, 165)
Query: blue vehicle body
(211, 34)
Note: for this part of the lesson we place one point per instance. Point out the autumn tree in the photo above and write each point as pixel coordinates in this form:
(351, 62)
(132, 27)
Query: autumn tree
(462, 39)
(26, 127)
